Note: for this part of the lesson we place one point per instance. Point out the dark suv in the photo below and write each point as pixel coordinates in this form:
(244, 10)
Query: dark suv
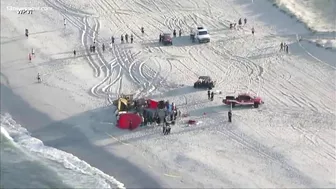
(167, 39)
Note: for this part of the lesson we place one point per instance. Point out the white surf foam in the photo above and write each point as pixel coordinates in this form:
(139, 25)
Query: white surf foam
(6, 134)
(15, 132)
(318, 15)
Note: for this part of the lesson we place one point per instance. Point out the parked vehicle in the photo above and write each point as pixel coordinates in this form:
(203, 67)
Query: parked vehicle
(204, 82)
(244, 99)
(202, 35)
(167, 39)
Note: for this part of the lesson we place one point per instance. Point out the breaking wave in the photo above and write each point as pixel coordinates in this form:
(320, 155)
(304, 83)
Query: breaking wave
(27, 163)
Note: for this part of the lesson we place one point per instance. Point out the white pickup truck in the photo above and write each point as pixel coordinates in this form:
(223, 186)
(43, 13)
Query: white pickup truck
(202, 35)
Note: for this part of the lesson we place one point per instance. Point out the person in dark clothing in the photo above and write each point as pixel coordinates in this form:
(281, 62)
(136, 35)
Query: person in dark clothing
(212, 96)
(158, 120)
(281, 46)
(160, 37)
(166, 128)
(112, 39)
(103, 47)
(142, 30)
(150, 120)
(38, 78)
(239, 22)
(132, 38)
(126, 37)
(287, 49)
(26, 32)
(74, 52)
(231, 25)
(230, 116)
(94, 48)
(122, 38)
(252, 30)
(145, 120)
(209, 93)
(180, 32)
(174, 33)
(245, 21)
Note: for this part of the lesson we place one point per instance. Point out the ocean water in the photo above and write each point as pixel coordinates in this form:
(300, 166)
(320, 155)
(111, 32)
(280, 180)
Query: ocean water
(318, 15)
(27, 163)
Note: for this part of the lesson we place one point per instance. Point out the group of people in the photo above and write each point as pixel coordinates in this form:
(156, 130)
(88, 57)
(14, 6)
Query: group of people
(180, 33)
(166, 114)
(240, 23)
(234, 25)
(211, 95)
(284, 47)
(93, 48)
(126, 38)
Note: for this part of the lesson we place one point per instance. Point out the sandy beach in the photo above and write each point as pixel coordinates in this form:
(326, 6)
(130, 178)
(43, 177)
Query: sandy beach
(71, 110)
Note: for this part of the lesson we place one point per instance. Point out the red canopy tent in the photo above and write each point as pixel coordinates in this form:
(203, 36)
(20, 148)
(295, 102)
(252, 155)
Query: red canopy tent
(129, 121)
(152, 104)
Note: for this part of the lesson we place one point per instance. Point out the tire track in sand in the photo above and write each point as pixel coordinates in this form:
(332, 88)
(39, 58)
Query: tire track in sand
(98, 63)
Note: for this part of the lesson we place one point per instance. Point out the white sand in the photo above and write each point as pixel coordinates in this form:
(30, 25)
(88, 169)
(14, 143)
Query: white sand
(288, 142)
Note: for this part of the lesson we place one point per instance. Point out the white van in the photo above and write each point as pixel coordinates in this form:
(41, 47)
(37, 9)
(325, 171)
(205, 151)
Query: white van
(202, 35)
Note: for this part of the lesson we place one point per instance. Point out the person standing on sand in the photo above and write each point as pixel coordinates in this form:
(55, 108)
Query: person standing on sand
(230, 116)
(29, 57)
(38, 78)
(126, 37)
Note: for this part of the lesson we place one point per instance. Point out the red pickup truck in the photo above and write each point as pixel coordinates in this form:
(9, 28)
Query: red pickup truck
(244, 99)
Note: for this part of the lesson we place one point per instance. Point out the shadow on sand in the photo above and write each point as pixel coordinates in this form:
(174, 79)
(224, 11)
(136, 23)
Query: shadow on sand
(66, 136)
(219, 109)
(182, 41)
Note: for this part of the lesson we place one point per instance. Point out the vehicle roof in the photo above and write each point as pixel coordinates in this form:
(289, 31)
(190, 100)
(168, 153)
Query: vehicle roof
(204, 77)
(202, 30)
